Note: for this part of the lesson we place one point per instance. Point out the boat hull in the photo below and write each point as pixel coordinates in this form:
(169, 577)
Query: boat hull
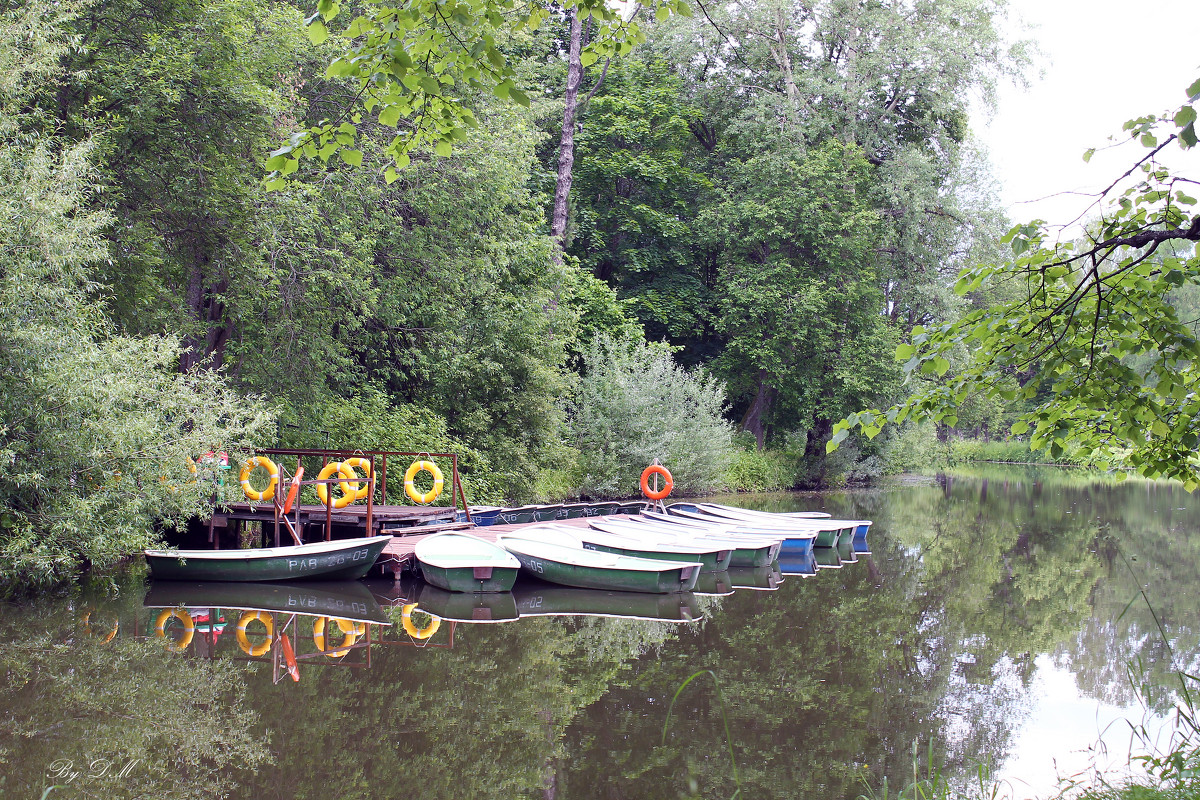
(326, 561)
(342, 599)
(717, 561)
(470, 579)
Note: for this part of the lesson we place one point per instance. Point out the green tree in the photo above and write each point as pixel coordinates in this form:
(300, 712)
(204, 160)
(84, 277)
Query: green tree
(633, 405)
(96, 428)
(1095, 344)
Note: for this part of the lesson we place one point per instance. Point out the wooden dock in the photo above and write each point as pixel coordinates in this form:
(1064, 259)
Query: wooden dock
(309, 521)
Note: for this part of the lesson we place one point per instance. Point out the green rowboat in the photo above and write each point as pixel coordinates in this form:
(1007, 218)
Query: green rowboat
(460, 562)
(343, 559)
(592, 569)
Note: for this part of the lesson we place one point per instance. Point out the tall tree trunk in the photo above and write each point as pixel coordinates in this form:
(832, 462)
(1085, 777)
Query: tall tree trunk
(210, 330)
(566, 147)
(755, 419)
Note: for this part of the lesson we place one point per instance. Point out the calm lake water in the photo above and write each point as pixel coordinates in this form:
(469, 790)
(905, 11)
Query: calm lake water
(992, 621)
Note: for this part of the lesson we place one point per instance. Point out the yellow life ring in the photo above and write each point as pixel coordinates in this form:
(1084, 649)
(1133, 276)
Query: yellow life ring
(87, 627)
(410, 488)
(348, 489)
(189, 628)
(361, 489)
(244, 642)
(244, 478)
(350, 632)
(410, 627)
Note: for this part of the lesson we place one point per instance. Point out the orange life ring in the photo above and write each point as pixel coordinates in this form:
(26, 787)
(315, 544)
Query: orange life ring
(411, 628)
(657, 469)
(410, 488)
(243, 640)
(350, 634)
(244, 478)
(363, 489)
(294, 490)
(348, 489)
(189, 628)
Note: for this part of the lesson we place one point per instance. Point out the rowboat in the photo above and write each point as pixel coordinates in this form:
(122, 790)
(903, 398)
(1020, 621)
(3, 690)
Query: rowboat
(748, 550)
(545, 600)
(826, 532)
(712, 557)
(342, 559)
(594, 569)
(460, 562)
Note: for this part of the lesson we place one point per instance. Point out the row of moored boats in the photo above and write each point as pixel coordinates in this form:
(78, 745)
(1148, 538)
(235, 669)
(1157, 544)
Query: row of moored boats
(651, 552)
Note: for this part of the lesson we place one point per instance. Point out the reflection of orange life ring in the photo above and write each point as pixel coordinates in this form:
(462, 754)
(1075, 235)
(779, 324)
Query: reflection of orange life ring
(350, 630)
(657, 469)
(410, 627)
(189, 628)
(87, 627)
(348, 489)
(410, 488)
(244, 478)
(289, 657)
(244, 642)
(360, 490)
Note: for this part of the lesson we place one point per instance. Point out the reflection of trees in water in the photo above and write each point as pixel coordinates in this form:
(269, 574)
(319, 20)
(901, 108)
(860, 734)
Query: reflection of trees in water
(114, 719)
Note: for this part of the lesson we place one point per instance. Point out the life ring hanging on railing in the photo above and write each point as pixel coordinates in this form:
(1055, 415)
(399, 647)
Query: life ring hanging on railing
(350, 632)
(411, 628)
(361, 489)
(657, 469)
(189, 628)
(244, 478)
(410, 488)
(348, 490)
(244, 641)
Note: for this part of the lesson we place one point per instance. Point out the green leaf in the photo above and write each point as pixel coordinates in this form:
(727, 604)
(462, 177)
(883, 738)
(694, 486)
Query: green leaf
(1193, 91)
(587, 58)
(390, 116)
(519, 97)
(905, 351)
(1087, 154)
(352, 157)
(317, 32)
(442, 148)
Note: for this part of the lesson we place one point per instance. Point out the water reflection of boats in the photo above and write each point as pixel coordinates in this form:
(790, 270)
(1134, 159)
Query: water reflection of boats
(547, 600)
(827, 558)
(803, 564)
(344, 599)
(714, 584)
(847, 553)
(761, 578)
(467, 607)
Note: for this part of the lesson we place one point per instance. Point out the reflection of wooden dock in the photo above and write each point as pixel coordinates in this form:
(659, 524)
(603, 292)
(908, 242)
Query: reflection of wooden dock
(398, 554)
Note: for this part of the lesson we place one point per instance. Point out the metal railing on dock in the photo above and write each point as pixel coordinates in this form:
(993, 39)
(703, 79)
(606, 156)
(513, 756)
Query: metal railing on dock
(376, 514)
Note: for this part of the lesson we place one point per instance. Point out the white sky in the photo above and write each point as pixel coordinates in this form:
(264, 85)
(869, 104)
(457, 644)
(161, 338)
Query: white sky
(1104, 61)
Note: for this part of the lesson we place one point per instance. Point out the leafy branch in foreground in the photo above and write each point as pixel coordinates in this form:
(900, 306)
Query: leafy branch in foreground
(1093, 343)
(417, 65)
